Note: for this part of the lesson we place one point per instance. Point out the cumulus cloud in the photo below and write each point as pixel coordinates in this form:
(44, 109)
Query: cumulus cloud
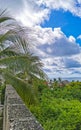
(61, 47)
(57, 51)
(79, 37)
(76, 72)
(53, 46)
(73, 6)
(53, 42)
(32, 14)
(72, 39)
(71, 63)
(63, 66)
(35, 12)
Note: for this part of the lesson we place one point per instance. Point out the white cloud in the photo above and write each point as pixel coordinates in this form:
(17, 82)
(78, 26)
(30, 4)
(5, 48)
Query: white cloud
(79, 1)
(35, 12)
(79, 37)
(62, 66)
(32, 14)
(54, 4)
(72, 63)
(53, 42)
(72, 39)
(53, 46)
(73, 6)
(41, 36)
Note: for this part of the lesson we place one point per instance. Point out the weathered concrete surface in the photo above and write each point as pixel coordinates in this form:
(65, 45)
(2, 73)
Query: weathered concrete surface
(1, 117)
(16, 115)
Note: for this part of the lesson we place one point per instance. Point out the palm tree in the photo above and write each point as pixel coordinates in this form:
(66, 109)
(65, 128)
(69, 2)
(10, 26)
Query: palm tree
(17, 63)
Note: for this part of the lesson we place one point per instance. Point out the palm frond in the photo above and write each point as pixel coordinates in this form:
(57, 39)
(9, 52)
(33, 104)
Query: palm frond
(3, 19)
(5, 36)
(24, 90)
(3, 16)
(7, 52)
(16, 58)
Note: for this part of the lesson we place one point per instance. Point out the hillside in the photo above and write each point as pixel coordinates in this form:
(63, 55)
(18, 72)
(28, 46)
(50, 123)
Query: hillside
(59, 108)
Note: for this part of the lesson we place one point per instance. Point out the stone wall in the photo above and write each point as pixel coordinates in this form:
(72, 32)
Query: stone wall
(16, 115)
(1, 113)
(1, 116)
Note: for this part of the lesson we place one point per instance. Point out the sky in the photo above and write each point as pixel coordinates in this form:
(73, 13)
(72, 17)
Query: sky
(54, 30)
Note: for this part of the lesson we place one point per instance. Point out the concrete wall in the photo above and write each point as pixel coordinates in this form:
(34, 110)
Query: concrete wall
(1, 116)
(16, 115)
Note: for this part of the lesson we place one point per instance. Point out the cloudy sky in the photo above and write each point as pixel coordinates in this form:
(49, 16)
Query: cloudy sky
(54, 29)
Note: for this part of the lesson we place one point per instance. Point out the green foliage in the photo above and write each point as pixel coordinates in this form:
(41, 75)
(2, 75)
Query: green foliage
(24, 89)
(60, 108)
(16, 58)
(2, 93)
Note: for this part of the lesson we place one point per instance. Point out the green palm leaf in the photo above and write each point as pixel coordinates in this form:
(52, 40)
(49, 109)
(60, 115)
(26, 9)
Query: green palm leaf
(16, 58)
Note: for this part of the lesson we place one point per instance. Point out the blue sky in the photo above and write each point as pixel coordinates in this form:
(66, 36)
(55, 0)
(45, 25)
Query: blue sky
(66, 20)
(54, 30)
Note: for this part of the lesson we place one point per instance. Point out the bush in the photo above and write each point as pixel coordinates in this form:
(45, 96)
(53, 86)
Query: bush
(60, 109)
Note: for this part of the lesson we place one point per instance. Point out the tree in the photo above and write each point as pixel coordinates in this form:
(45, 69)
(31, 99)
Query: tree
(16, 58)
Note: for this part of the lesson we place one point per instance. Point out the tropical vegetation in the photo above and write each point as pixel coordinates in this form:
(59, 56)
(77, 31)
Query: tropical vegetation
(56, 105)
(18, 65)
(59, 108)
